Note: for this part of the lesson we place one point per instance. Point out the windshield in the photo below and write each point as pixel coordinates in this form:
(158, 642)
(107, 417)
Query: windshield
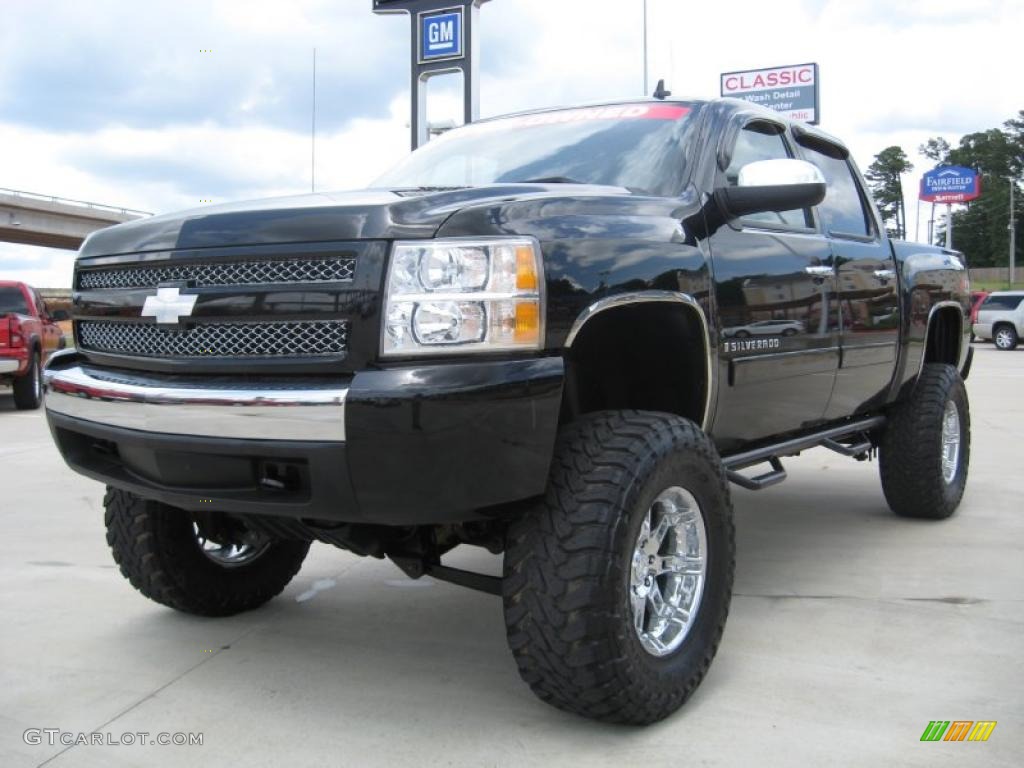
(638, 146)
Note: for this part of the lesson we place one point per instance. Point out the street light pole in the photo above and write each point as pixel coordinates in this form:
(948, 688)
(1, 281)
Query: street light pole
(1013, 234)
(645, 47)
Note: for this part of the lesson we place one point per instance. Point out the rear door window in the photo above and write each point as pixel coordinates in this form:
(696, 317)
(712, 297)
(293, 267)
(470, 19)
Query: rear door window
(1002, 302)
(843, 211)
(12, 300)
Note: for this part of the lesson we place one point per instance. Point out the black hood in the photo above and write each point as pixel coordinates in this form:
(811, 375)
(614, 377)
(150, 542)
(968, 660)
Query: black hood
(374, 214)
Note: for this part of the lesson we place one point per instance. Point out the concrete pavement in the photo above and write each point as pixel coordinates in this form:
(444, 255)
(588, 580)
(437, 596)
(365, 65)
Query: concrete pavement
(850, 630)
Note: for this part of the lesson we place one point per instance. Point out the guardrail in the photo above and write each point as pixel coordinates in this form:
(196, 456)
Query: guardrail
(69, 201)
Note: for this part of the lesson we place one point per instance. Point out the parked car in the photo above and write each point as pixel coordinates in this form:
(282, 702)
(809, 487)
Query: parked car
(29, 334)
(766, 328)
(515, 341)
(1001, 319)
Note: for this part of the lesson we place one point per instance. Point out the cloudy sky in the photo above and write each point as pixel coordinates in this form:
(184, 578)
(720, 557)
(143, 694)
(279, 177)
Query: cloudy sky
(117, 102)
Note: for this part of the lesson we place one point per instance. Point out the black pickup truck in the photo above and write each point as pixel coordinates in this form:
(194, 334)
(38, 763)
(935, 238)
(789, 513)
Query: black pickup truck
(558, 335)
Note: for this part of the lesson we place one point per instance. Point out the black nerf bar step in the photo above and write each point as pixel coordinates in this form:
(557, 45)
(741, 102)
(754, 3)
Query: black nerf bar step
(853, 451)
(760, 482)
(827, 438)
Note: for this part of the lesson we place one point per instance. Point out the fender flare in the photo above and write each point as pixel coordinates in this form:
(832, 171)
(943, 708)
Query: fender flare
(620, 300)
(962, 348)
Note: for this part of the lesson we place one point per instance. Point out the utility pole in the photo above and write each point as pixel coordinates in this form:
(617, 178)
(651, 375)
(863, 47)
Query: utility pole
(1013, 234)
(645, 48)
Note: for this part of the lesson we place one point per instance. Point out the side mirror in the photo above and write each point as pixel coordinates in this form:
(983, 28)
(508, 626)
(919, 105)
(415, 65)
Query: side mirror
(60, 316)
(773, 185)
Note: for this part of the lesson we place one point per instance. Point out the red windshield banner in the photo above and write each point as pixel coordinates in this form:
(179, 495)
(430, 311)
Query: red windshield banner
(615, 112)
(611, 113)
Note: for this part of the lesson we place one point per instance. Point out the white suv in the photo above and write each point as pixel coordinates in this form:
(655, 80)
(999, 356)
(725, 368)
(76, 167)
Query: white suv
(1001, 319)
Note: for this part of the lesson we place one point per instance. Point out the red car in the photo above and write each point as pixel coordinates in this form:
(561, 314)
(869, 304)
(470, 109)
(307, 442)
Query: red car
(29, 334)
(977, 298)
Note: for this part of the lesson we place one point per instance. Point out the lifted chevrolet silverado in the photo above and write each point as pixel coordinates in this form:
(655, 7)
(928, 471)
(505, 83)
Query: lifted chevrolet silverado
(533, 335)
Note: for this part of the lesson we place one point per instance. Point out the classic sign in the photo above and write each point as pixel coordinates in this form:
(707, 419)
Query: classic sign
(791, 89)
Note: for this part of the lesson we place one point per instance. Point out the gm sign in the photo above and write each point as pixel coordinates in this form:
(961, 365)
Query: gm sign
(441, 35)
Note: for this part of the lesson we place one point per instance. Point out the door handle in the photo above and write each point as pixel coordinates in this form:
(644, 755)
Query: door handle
(885, 274)
(819, 271)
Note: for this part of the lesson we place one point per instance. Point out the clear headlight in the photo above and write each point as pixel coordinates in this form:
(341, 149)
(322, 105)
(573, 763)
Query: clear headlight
(463, 295)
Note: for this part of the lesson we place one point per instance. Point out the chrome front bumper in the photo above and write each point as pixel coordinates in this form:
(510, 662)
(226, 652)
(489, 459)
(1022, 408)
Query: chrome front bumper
(306, 410)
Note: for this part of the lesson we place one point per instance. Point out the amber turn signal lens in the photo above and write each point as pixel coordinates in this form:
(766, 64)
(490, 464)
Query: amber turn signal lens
(526, 269)
(527, 322)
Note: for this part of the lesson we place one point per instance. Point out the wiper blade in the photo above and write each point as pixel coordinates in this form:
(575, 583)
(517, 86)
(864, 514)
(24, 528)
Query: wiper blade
(431, 188)
(552, 180)
(414, 191)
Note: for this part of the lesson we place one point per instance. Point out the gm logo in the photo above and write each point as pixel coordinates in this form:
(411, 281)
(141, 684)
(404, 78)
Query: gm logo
(441, 35)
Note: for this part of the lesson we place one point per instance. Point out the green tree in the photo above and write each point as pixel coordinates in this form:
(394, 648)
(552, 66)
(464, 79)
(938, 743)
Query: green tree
(884, 176)
(935, 149)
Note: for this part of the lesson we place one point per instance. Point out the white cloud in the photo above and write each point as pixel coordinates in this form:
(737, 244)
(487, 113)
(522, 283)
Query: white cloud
(41, 267)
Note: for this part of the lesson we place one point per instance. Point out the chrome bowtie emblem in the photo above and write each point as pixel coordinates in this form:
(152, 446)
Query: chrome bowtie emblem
(168, 306)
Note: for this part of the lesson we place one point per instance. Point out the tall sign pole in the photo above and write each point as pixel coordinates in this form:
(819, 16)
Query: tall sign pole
(949, 226)
(443, 41)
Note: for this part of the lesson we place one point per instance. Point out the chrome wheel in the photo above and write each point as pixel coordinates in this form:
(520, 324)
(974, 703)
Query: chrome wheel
(37, 380)
(231, 555)
(1004, 338)
(668, 571)
(950, 441)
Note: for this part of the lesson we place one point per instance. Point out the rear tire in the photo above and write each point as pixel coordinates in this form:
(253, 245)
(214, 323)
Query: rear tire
(926, 447)
(627, 488)
(1005, 337)
(160, 550)
(28, 389)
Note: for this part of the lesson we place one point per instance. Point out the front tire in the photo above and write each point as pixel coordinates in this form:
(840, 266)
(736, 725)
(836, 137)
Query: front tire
(926, 447)
(28, 389)
(208, 565)
(617, 585)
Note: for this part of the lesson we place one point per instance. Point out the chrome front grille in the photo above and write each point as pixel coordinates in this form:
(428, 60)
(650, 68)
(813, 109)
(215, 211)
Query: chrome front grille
(271, 272)
(281, 339)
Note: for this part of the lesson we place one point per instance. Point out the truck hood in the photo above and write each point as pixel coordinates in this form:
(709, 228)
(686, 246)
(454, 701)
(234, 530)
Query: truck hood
(373, 214)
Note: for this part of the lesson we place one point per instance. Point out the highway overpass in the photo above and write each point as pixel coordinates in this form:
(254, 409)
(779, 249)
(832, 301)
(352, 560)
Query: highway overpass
(33, 219)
